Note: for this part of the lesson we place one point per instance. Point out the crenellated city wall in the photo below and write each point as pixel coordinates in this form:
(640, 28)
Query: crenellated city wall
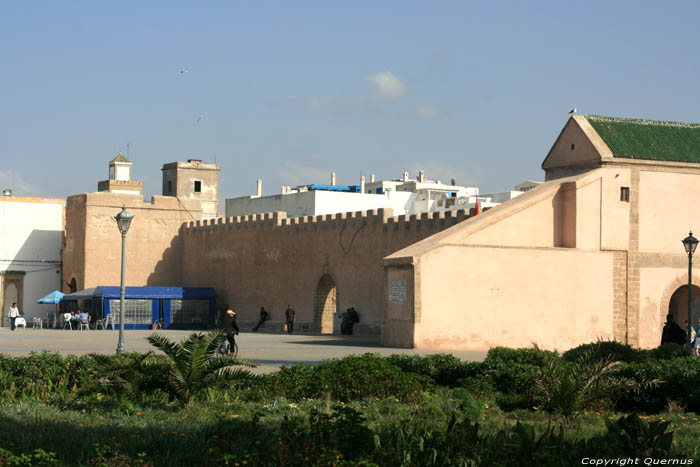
(270, 260)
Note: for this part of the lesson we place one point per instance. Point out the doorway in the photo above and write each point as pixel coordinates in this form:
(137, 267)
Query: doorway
(325, 305)
(678, 305)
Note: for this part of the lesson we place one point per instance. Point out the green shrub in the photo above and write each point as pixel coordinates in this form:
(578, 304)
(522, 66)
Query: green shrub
(660, 381)
(350, 378)
(37, 457)
(600, 350)
(443, 369)
(668, 352)
(42, 376)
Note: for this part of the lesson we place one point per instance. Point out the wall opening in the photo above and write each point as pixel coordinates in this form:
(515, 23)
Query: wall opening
(678, 305)
(10, 295)
(325, 305)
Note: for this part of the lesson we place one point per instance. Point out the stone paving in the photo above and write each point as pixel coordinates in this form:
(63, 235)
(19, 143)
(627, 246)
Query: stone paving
(268, 351)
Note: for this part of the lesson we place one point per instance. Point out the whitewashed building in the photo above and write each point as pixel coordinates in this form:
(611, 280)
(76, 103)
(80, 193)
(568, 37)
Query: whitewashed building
(30, 253)
(405, 196)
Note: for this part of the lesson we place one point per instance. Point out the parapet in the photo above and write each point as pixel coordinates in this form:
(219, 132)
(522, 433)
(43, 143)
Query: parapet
(373, 219)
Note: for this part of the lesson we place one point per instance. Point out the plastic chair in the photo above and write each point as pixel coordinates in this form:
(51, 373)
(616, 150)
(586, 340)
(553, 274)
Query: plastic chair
(106, 321)
(84, 325)
(66, 321)
(20, 322)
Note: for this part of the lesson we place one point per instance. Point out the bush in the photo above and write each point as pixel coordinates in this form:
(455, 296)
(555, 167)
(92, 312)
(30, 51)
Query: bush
(668, 352)
(350, 378)
(443, 369)
(513, 373)
(660, 381)
(600, 350)
(41, 376)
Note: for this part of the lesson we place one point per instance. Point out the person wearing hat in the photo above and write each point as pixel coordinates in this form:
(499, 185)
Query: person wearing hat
(290, 316)
(230, 327)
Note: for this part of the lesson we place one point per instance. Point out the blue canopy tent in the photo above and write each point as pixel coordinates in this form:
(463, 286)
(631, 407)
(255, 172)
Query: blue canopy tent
(172, 307)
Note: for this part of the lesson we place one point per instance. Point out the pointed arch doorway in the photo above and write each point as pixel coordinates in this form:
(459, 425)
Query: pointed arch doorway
(325, 304)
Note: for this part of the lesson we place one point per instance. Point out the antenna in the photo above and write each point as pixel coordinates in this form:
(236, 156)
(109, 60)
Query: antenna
(128, 151)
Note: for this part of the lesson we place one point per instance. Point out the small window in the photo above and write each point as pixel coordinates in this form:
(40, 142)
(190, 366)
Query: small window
(170, 186)
(573, 146)
(625, 193)
(197, 186)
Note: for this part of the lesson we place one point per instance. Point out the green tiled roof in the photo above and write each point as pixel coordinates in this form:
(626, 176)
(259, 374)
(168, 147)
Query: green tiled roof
(649, 139)
(120, 158)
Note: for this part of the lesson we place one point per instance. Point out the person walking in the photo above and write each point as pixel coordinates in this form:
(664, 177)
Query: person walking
(14, 314)
(264, 316)
(290, 316)
(230, 327)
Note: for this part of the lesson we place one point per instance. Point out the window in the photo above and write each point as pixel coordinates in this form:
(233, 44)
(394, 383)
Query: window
(135, 311)
(170, 186)
(573, 146)
(197, 186)
(625, 193)
(189, 311)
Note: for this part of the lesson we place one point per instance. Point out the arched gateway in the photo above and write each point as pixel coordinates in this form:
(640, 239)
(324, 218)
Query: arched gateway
(678, 305)
(325, 305)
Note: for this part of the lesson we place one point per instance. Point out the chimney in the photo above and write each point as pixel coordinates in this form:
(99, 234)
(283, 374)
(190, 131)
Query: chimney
(421, 176)
(405, 176)
(362, 184)
(371, 178)
(332, 178)
(259, 191)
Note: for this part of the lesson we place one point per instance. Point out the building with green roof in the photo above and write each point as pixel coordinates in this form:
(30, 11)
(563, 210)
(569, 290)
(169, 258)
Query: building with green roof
(589, 141)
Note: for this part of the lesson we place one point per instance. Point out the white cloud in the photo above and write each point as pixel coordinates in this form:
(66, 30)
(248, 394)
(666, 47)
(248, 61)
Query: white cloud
(388, 85)
(427, 111)
(9, 179)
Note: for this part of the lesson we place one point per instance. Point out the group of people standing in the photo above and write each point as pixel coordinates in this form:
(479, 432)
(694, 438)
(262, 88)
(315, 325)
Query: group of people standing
(673, 333)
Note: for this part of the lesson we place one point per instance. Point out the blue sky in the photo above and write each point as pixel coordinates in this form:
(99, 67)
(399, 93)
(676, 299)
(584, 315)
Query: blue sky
(476, 91)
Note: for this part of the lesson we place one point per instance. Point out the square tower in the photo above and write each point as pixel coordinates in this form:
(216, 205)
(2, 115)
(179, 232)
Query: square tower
(193, 179)
(120, 178)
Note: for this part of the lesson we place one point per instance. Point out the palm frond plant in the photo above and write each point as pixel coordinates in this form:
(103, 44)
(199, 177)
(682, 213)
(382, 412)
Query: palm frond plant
(195, 365)
(587, 383)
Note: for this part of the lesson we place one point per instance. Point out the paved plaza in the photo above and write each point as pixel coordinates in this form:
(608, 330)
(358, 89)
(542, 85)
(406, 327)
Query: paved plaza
(268, 351)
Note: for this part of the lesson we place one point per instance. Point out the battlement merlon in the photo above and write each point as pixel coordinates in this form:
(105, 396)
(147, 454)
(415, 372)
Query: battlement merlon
(373, 218)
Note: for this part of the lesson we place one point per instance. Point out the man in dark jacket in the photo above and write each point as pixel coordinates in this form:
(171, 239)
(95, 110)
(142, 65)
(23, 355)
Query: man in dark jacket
(672, 332)
(230, 327)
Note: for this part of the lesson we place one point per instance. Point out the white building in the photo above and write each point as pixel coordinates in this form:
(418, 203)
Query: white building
(30, 253)
(404, 196)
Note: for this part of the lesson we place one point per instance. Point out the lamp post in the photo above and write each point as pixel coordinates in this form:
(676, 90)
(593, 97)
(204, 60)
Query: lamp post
(123, 219)
(690, 243)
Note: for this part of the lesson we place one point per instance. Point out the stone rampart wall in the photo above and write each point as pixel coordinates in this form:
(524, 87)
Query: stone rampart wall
(270, 260)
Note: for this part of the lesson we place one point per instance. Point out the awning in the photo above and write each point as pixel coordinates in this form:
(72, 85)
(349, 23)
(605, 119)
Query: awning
(86, 294)
(111, 292)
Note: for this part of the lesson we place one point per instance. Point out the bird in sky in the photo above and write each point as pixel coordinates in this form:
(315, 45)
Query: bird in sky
(184, 70)
(572, 111)
(201, 117)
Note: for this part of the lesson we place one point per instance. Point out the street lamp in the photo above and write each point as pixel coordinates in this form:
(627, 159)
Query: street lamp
(123, 219)
(690, 243)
